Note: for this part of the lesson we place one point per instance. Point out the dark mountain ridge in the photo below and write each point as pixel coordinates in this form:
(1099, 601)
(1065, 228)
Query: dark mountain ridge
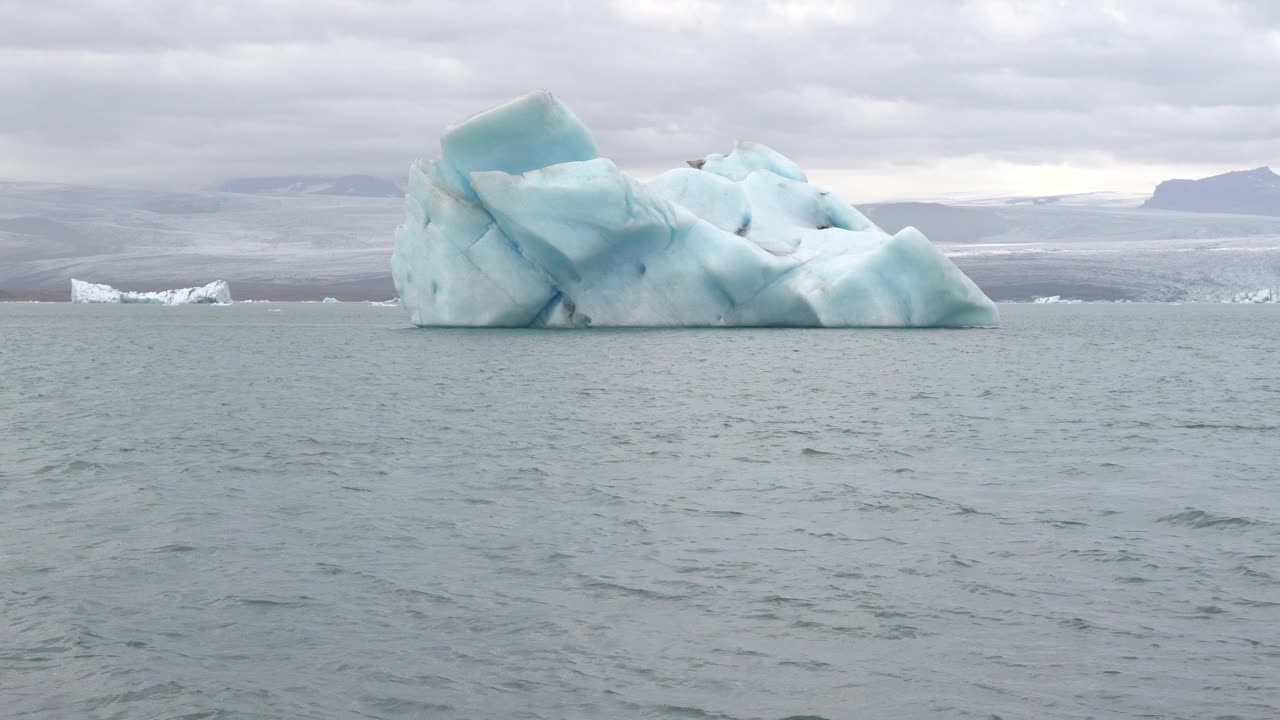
(1249, 192)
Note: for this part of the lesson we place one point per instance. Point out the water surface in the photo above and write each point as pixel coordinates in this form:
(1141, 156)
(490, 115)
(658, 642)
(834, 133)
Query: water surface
(313, 511)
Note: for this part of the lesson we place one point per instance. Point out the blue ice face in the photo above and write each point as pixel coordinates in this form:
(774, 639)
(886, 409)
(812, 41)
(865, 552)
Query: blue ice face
(520, 224)
(528, 133)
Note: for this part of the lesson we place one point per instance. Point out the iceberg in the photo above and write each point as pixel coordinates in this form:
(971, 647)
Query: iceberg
(215, 292)
(520, 223)
(1261, 296)
(329, 300)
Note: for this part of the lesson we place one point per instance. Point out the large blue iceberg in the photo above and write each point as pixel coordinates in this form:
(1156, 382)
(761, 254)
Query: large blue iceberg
(520, 223)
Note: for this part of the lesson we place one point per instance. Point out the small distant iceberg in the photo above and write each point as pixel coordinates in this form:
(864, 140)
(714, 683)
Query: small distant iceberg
(215, 293)
(393, 302)
(1262, 295)
(1056, 300)
(330, 300)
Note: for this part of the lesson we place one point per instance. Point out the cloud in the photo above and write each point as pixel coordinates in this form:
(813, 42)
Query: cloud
(152, 91)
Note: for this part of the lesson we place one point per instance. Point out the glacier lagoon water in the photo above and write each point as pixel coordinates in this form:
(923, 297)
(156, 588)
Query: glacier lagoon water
(313, 511)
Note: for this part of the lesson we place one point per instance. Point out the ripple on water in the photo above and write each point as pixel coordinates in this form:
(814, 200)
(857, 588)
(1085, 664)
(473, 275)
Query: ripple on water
(1201, 519)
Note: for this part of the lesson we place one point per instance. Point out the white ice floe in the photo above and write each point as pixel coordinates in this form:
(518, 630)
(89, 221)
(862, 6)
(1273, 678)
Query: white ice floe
(215, 292)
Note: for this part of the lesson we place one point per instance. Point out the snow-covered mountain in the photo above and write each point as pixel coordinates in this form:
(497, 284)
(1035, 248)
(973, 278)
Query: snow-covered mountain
(307, 246)
(346, 185)
(275, 247)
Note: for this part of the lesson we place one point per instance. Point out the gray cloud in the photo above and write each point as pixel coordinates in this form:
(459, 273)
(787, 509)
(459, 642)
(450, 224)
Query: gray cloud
(150, 91)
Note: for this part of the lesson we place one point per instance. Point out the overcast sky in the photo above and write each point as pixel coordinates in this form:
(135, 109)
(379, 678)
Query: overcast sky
(879, 98)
